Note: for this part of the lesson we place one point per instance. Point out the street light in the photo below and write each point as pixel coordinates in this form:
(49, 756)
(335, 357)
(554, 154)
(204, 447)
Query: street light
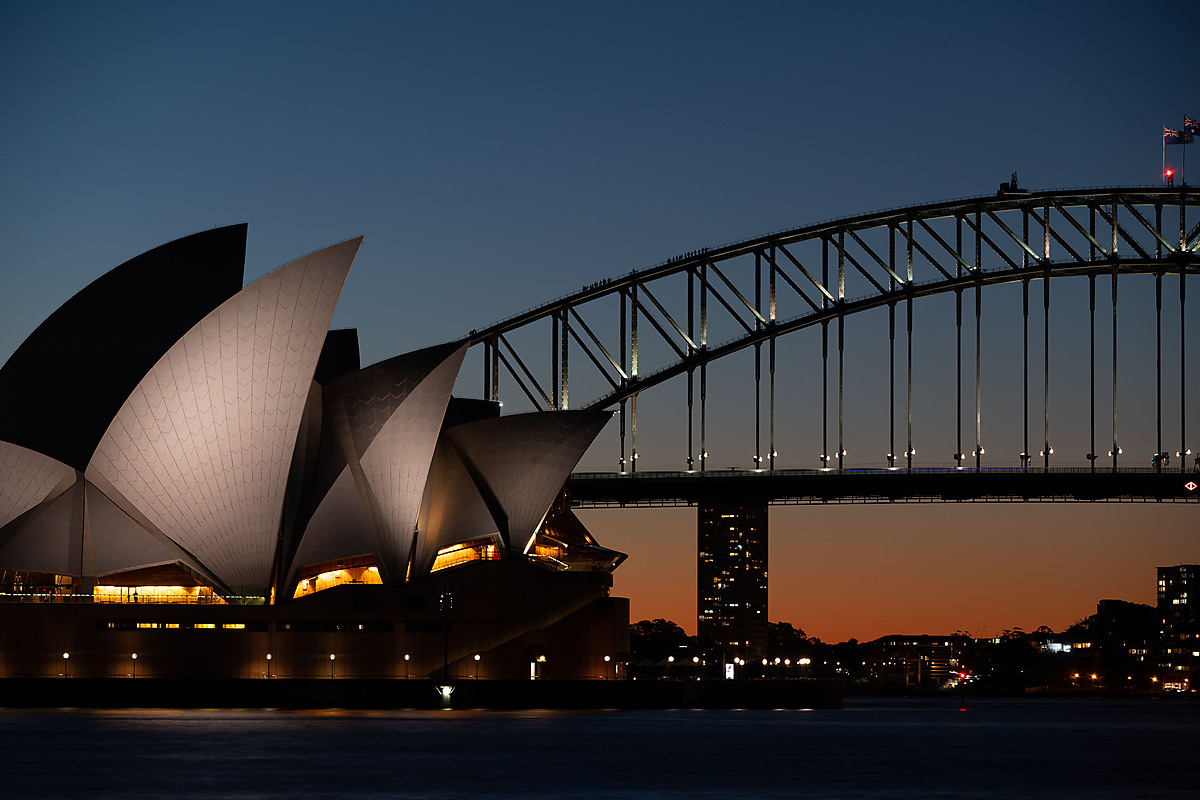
(477, 666)
(133, 656)
(332, 658)
(268, 665)
(406, 658)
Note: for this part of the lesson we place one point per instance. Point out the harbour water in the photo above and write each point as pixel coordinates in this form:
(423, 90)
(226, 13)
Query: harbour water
(902, 748)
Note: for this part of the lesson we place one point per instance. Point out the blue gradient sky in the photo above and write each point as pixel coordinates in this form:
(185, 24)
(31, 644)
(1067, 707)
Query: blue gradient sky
(498, 155)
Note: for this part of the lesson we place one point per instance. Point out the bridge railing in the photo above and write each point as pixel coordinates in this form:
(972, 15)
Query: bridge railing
(833, 472)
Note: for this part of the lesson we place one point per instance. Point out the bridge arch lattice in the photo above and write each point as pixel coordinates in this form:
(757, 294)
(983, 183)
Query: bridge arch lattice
(758, 290)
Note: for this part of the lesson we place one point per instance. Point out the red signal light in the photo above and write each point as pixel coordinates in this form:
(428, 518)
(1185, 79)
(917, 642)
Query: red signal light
(1169, 173)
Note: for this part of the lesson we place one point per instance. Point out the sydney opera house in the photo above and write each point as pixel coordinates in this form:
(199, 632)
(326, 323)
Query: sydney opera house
(198, 478)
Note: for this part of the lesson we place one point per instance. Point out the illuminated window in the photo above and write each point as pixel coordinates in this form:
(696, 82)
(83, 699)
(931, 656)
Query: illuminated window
(356, 570)
(482, 550)
(155, 594)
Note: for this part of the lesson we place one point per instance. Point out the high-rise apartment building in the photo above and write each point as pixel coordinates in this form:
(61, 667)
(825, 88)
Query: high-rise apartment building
(731, 581)
(1179, 657)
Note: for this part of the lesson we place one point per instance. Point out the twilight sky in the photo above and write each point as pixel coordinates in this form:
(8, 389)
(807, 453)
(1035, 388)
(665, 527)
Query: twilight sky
(498, 155)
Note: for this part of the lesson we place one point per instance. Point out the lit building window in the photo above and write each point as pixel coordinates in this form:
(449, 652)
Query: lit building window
(477, 550)
(197, 595)
(356, 570)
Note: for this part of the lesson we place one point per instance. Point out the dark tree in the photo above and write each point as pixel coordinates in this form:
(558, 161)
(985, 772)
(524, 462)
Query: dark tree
(655, 639)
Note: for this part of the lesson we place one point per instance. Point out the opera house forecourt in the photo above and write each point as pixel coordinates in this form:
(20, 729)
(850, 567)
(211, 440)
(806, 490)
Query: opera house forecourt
(198, 481)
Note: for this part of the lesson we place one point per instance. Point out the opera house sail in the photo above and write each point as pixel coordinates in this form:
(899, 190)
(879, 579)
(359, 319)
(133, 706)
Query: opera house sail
(206, 467)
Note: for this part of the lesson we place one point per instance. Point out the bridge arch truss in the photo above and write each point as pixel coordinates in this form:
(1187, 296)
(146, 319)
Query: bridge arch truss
(759, 290)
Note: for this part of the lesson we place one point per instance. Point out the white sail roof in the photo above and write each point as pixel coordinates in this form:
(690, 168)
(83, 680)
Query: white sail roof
(523, 460)
(202, 447)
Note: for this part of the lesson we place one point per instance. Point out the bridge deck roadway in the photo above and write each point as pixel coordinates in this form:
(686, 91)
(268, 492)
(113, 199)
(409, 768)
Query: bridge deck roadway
(643, 489)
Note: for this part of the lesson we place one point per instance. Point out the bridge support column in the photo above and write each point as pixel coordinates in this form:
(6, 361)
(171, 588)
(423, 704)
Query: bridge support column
(731, 577)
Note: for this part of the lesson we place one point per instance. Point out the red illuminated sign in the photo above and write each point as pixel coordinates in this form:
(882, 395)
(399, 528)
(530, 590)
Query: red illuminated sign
(1190, 486)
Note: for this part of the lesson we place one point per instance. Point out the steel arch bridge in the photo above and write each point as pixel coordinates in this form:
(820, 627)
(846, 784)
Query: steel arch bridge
(820, 275)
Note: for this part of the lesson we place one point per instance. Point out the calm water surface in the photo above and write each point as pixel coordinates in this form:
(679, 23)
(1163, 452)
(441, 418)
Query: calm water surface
(870, 749)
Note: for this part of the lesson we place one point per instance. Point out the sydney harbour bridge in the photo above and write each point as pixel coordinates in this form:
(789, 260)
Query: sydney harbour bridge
(622, 339)
(907, 337)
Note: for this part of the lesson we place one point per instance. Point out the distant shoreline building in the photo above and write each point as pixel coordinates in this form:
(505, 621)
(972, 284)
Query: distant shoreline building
(200, 477)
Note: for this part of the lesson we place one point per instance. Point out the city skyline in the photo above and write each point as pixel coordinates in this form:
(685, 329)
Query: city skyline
(497, 158)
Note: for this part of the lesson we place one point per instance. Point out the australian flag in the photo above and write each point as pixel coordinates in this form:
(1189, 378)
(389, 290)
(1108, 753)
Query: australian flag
(1172, 136)
(1191, 127)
